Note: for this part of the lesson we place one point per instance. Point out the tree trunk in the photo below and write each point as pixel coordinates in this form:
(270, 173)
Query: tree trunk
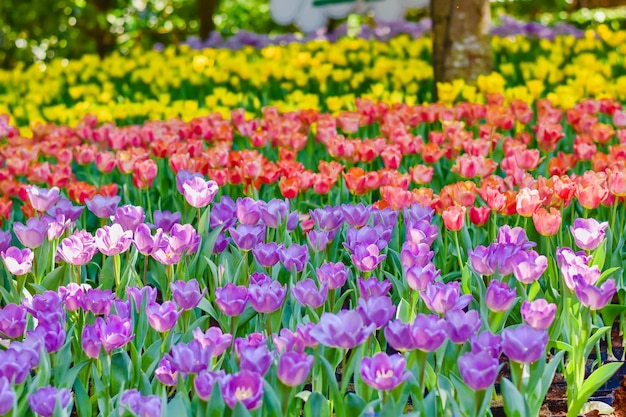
(206, 10)
(461, 41)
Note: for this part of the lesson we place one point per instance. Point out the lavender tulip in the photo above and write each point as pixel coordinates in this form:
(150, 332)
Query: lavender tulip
(487, 341)
(165, 220)
(205, 382)
(478, 370)
(255, 359)
(145, 242)
(366, 236)
(31, 234)
(245, 387)
(223, 213)
(386, 217)
(246, 236)
(213, 338)
(344, 330)
(356, 215)
(588, 233)
(366, 258)
(462, 325)
(140, 405)
(376, 310)
(18, 262)
(328, 218)
(440, 297)
(129, 217)
(539, 314)
(142, 295)
(419, 277)
(165, 372)
(57, 226)
(398, 335)
(421, 232)
(90, 341)
(198, 192)
(221, 243)
(74, 295)
(103, 207)
(182, 176)
(19, 359)
(318, 239)
(479, 260)
(287, 341)
(524, 344)
(248, 210)
(428, 332)
(162, 318)
(77, 249)
(528, 266)
(115, 332)
(595, 298)
(255, 339)
(66, 209)
(274, 213)
(8, 399)
(184, 238)
(384, 372)
(52, 334)
(45, 400)
(335, 274)
(46, 307)
(267, 254)
(113, 240)
(303, 333)
(515, 236)
(187, 294)
(98, 301)
(190, 358)
(5, 240)
(372, 287)
(499, 297)
(231, 299)
(294, 368)
(295, 256)
(307, 294)
(268, 297)
(42, 198)
(12, 321)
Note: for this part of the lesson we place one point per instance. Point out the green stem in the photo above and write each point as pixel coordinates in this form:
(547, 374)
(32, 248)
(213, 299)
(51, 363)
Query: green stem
(458, 250)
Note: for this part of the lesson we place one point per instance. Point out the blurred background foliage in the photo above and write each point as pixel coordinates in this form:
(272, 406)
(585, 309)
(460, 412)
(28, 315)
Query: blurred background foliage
(35, 31)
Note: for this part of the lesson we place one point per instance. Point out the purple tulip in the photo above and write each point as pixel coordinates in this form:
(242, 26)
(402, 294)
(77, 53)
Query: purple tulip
(515, 236)
(246, 236)
(266, 254)
(356, 215)
(140, 405)
(223, 213)
(524, 344)
(255, 339)
(8, 399)
(421, 232)
(142, 295)
(57, 226)
(103, 207)
(440, 297)
(213, 338)
(307, 294)
(274, 213)
(303, 333)
(366, 258)
(287, 341)
(46, 307)
(344, 330)
(74, 295)
(376, 310)
(98, 301)
(248, 210)
(90, 341)
(384, 372)
(499, 297)
(255, 359)
(182, 176)
(221, 243)
(398, 335)
(428, 332)
(145, 242)
(18, 262)
(162, 318)
(595, 298)
(386, 217)
(231, 299)
(245, 387)
(52, 335)
(335, 274)
(46, 399)
(122, 308)
(31, 234)
(129, 217)
(415, 254)
(198, 192)
(328, 218)
(12, 321)
(190, 358)
(588, 233)
(366, 236)
(538, 314)
(205, 382)
(187, 294)
(165, 220)
(165, 372)
(419, 277)
(5, 240)
(42, 198)
(417, 212)
(19, 359)
(184, 238)
(115, 332)
(487, 341)
(65, 209)
(528, 266)
(478, 370)
(318, 239)
(461, 325)
(113, 240)
(77, 249)
(372, 287)
(295, 256)
(294, 368)
(480, 261)
(267, 297)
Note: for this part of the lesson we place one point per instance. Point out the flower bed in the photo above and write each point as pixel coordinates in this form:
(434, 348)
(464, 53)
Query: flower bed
(387, 260)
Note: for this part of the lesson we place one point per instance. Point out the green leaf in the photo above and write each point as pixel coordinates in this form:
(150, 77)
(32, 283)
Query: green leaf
(176, 407)
(355, 405)
(240, 410)
(53, 280)
(83, 405)
(515, 404)
(591, 342)
(594, 382)
(316, 406)
(216, 404)
(405, 313)
(599, 255)
(271, 404)
(331, 381)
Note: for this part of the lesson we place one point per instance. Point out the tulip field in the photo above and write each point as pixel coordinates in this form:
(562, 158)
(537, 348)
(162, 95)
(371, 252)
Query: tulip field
(296, 229)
